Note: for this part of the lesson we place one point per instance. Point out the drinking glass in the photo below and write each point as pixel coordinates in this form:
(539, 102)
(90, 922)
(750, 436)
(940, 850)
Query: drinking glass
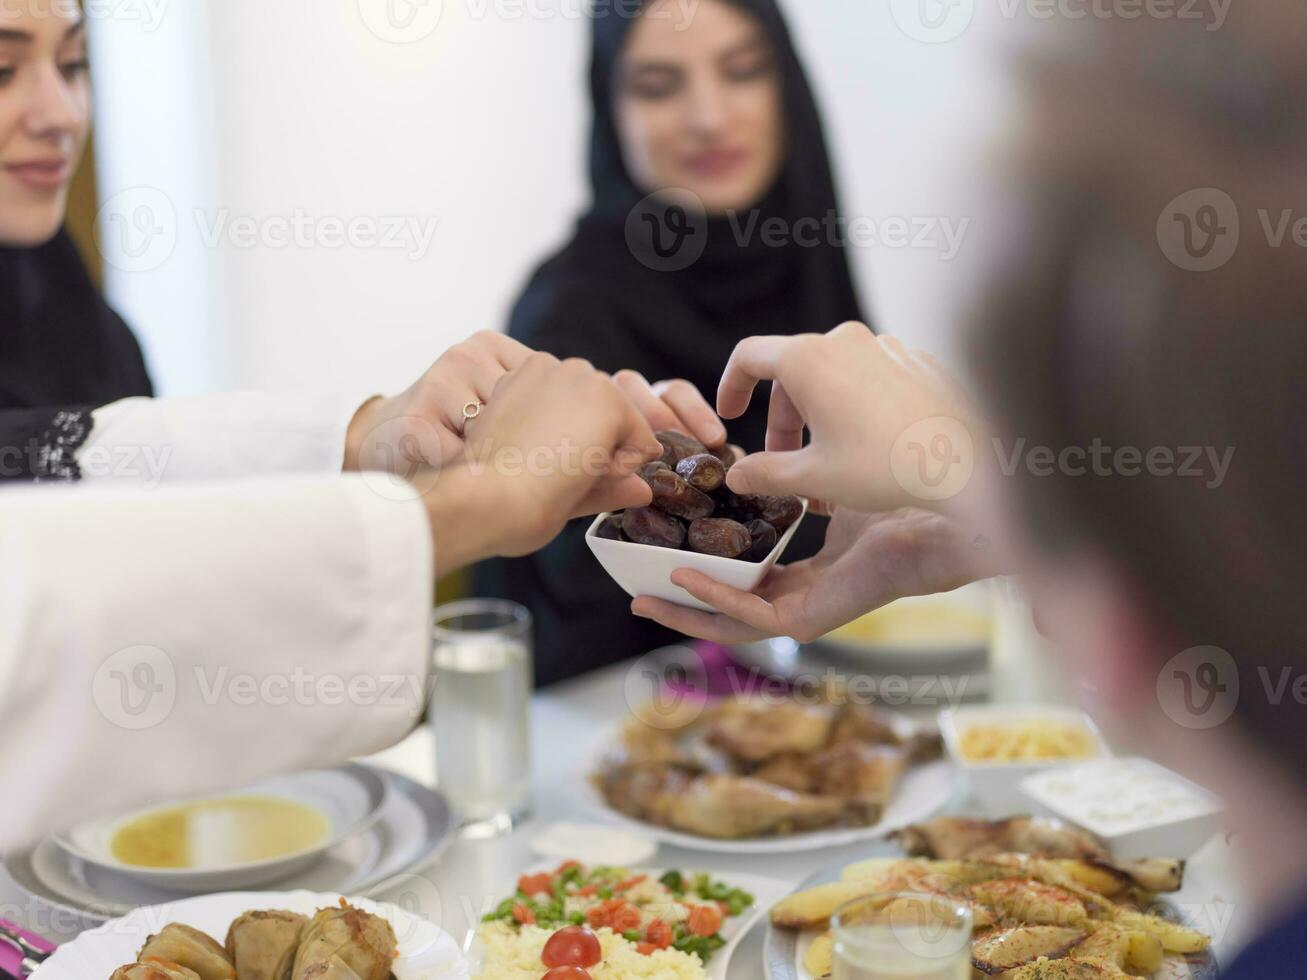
(480, 712)
(902, 935)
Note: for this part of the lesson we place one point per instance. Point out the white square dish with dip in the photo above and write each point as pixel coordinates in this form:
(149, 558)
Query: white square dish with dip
(1136, 807)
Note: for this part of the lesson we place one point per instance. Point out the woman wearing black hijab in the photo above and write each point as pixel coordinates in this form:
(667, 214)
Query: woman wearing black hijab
(707, 109)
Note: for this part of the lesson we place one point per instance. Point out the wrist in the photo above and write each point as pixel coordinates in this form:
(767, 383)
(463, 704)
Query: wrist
(465, 511)
(363, 422)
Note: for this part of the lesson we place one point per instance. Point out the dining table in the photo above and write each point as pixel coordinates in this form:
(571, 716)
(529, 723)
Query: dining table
(568, 722)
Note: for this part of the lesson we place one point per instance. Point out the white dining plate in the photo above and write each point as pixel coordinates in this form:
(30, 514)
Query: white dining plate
(414, 826)
(785, 949)
(425, 952)
(350, 798)
(922, 792)
(766, 892)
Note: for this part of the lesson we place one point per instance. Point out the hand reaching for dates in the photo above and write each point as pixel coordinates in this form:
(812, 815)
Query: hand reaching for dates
(557, 440)
(889, 428)
(693, 508)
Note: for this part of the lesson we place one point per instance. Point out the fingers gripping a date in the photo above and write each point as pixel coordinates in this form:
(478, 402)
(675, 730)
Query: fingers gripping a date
(693, 509)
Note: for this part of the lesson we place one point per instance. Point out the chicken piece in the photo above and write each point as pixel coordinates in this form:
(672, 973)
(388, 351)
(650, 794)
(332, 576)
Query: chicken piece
(755, 730)
(648, 745)
(958, 837)
(646, 792)
(862, 723)
(997, 952)
(739, 806)
(790, 771)
(865, 775)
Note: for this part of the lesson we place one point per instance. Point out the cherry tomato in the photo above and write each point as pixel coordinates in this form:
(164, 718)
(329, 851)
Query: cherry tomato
(658, 934)
(567, 973)
(524, 915)
(704, 920)
(535, 884)
(572, 946)
(625, 919)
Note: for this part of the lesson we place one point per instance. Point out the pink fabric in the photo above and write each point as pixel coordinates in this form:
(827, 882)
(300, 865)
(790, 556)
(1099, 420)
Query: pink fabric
(10, 958)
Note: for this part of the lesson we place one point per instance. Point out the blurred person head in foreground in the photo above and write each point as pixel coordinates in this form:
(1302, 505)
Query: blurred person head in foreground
(1147, 296)
(705, 135)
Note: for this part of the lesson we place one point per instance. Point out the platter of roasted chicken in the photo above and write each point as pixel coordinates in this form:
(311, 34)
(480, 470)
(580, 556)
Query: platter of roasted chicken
(770, 773)
(306, 936)
(1048, 902)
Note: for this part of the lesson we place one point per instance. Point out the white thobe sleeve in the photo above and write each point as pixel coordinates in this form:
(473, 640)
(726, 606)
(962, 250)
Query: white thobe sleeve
(146, 442)
(195, 638)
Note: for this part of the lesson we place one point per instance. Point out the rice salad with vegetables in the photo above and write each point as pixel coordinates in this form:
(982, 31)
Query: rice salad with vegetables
(606, 923)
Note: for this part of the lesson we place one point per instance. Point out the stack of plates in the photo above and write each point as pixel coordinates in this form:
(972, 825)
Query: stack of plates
(383, 825)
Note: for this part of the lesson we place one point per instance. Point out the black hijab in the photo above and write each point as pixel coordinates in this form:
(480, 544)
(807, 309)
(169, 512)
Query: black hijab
(612, 297)
(733, 290)
(60, 344)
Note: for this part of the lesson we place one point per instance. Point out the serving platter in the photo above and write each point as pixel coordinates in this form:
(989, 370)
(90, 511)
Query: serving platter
(765, 891)
(412, 829)
(784, 949)
(922, 791)
(425, 952)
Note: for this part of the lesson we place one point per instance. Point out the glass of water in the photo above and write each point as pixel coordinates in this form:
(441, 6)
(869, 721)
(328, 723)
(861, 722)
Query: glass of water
(480, 712)
(902, 936)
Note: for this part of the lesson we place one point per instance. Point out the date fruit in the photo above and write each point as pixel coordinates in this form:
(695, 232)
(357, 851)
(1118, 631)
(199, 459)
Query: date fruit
(672, 495)
(677, 446)
(779, 512)
(611, 528)
(763, 541)
(703, 472)
(646, 525)
(729, 454)
(720, 537)
(649, 469)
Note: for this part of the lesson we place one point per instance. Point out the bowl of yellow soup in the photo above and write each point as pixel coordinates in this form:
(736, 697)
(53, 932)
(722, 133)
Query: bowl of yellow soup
(240, 839)
(935, 633)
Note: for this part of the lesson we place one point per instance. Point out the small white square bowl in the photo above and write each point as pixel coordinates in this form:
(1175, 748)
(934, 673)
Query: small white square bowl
(643, 569)
(997, 785)
(1137, 807)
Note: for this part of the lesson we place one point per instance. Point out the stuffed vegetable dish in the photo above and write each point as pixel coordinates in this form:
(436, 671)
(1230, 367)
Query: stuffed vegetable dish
(337, 943)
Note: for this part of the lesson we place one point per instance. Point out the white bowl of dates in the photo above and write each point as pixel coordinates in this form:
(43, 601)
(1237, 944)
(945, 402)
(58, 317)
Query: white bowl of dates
(695, 521)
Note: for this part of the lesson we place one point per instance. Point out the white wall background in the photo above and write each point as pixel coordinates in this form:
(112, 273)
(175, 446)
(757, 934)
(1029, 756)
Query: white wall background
(246, 114)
